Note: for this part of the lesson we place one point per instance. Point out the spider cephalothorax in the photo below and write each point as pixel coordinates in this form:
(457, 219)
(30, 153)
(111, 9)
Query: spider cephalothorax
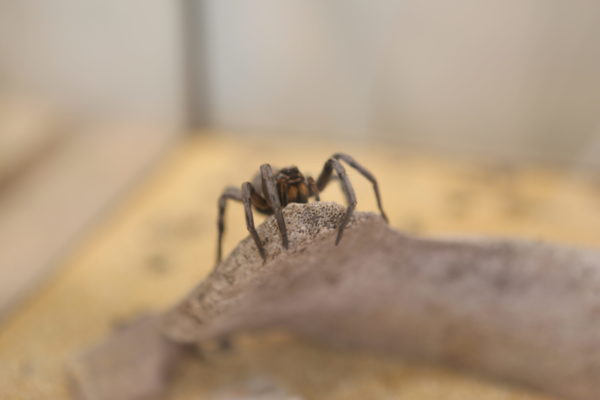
(271, 190)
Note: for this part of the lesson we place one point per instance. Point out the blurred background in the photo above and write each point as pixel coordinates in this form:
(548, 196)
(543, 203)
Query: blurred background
(514, 79)
(121, 122)
(93, 94)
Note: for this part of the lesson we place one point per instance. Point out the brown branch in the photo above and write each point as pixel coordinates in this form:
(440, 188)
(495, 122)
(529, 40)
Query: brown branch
(509, 309)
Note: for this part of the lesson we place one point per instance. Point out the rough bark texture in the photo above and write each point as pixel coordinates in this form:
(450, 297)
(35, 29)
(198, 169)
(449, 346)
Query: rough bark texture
(522, 311)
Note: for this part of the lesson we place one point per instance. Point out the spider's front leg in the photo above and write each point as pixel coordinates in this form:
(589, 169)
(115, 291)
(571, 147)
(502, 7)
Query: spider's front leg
(247, 191)
(270, 194)
(326, 175)
(324, 178)
(368, 175)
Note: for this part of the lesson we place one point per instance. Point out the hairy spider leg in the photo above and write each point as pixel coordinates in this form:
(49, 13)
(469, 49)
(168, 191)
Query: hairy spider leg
(247, 190)
(368, 175)
(325, 177)
(312, 186)
(269, 188)
(230, 193)
(347, 188)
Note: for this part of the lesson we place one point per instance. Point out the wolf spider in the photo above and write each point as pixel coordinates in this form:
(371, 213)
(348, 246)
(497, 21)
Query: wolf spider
(271, 190)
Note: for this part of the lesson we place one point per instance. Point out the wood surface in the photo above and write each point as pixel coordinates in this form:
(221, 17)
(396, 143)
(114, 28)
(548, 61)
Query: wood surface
(161, 241)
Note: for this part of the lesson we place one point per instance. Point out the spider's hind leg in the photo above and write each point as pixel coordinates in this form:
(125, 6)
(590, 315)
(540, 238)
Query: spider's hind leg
(230, 193)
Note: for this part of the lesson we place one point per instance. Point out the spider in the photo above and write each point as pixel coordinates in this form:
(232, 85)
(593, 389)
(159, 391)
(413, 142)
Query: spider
(271, 190)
